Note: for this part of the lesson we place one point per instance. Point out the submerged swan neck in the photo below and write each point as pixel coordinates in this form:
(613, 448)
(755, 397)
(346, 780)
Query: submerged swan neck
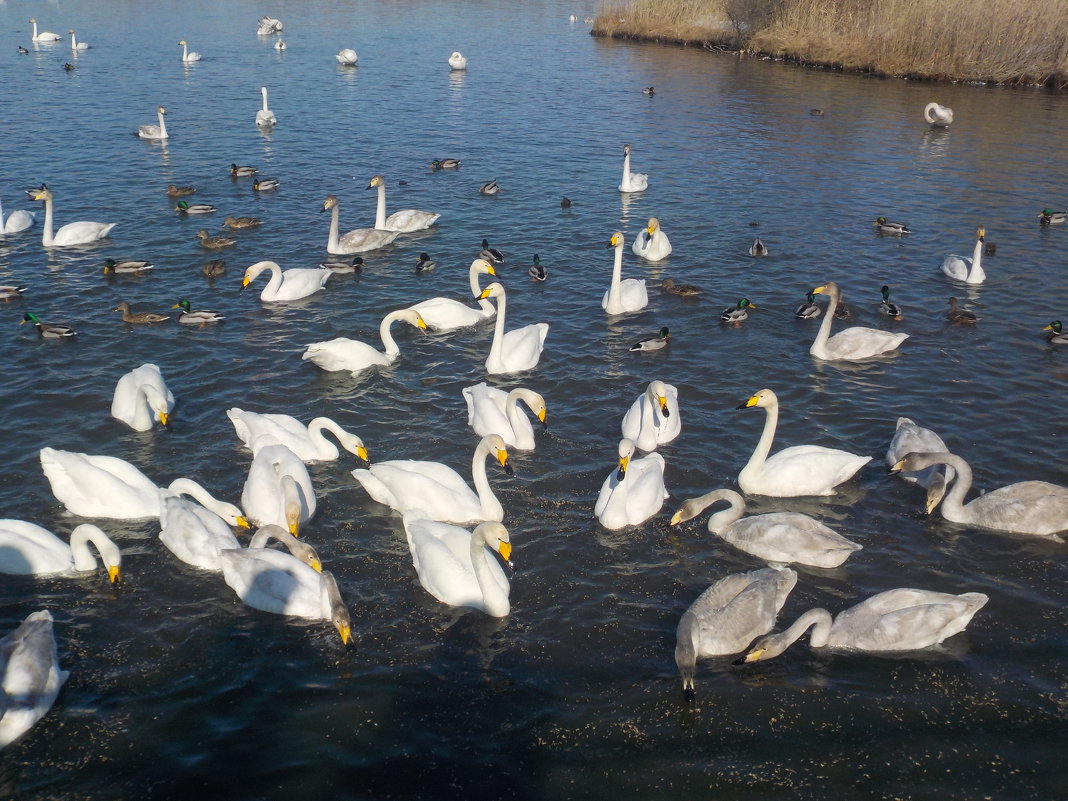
(380, 212)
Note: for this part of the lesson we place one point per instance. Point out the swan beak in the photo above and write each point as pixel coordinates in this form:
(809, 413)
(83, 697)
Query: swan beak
(163, 418)
(420, 323)
(505, 550)
(751, 402)
(490, 270)
(485, 293)
(612, 242)
(752, 656)
(676, 518)
(502, 457)
(316, 564)
(345, 631)
(897, 468)
(623, 462)
(819, 290)
(362, 453)
(245, 282)
(662, 400)
(113, 574)
(981, 231)
(542, 416)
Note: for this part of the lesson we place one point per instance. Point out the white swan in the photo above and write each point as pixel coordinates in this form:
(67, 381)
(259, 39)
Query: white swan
(268, 25)
(798, 470)
(278, 489)
(141, 398)
(435, 491)
(347, 57)
(653, 419)
(1026, 507)
(306, 441)
(352, 355)
(265, 117)
(360, 240)
(284, 285)
(446, 314)
(912, 438)
(457, 61)
(517, 350)
(27, 549)
(896, 620)
(849, 344)
(938, 116)
(651, 243)
(494, 411)
(16, 221)
(778, 537)
(75, 44)
(632, 181)
(155, 131)
(403, 221)
(188, 57)
(280, 45)
(728, 616)
(75, 233)
(623, 296)
(970, 271)
(453, 565)
(30, 677)
(43, 36)
(634, 492)
(194, 534)
(283, 584)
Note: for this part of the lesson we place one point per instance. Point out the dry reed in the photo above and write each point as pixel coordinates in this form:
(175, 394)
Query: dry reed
(689, 21)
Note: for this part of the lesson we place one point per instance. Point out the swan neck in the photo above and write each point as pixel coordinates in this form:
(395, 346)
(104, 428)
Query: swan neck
(491, 507)
(315, 433)
(265, 534)
(626, 168)
(496, 602)
(380, 212)
(80, 538)
(498, 331)
(476, 290)
(46, 234)
(162, 125)
(263, 91)
(819, 345)
(331, 238)
(953, 503)
(720, 520)
(186, 486)
(977, 260)
(617, 275)
(818, 619)
(388, 342)
(763, 448)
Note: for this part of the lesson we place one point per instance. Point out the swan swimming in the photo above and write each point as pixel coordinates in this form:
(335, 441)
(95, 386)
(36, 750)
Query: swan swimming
(283, 285)
(360, 240)
(938, 116)
(265, 117)
(194, 534)
(623, 296)
(343, 353)
(849, 344)
(457, 61)
(43, 36)
(651, 243)
(29, 549)
(75, 44)
(30, 678)
(306, 441)
(634, 492)
(653, 419)
(278, 489)
(632, 181)
(347, 57)
(155, 132)
(16, 221)
(141, 398)
(911, 438)
(188, 57)
(75, 233)
(970, 271)
(494, 411)
(516, 350)
(403, 221)
(446, 314)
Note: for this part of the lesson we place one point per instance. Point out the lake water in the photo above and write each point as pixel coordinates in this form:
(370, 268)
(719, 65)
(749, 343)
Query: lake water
(178, 690)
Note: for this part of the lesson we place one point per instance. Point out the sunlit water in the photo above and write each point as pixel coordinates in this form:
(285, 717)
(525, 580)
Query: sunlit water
(177, 690)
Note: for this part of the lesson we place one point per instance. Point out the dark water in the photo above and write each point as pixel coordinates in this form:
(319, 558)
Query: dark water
(179, 691)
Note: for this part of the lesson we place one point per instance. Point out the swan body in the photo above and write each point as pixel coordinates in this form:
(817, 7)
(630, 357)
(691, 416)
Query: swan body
(360, 240)
(75, 44)
(268, 25)
(896, 620)
(799, 470)
(494, 411)
(453, 564)
(75, 233)
(352, 355)
(518, 349)
(911, 438)
(651, 243)
(938, 116)
(403, 221)
(457, 61)
(632, 181)
(970, 271)
(1037, 508)
(194, 534)
(141, 398)
(265, 117)
(446, 314)
(285, 285)
(30, 678)
(16, 221)
(306, 441)
(634, 492)
(43, 36)
(434, 491)
(653, 419)
(627, 295)
(188, 57)
(27, 549)
(347, 57)
(778, 537)
(278, 489)
(155, 131)
(728, 616)
(849, 344)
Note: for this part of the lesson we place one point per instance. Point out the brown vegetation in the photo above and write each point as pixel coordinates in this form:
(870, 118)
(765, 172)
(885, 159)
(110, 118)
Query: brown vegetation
(1008, 41)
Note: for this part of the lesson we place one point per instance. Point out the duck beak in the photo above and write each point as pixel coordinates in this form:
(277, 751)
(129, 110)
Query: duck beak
(1044, 328)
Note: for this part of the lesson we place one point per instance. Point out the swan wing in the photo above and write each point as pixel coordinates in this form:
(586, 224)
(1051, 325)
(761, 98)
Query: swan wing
(297, 283)
(862, 343)
(266, 429)
(1027, 507)
(363, 239)
(441, 554)
(433, 489)
(486, 411)
(637, 498)
(445, 314)
(912, 438)
(194, 534)
(344, 354)
(521, 348)
(273, 581)
(633, 296)
(904, 620)
(99, 486)
(81, 233)
(805, 470)
(18, 221)
(738, 608)
(407, 220)
(957, 267)
(789, 537)
(31, 676)
(29, 549)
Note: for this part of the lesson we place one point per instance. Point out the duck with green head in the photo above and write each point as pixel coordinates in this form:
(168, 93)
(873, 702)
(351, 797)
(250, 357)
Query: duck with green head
(187, 316)
(48, 330)
(1055, 337)
(736, 314)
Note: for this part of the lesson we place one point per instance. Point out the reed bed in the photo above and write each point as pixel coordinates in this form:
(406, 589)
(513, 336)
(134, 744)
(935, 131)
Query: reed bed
(686, 21)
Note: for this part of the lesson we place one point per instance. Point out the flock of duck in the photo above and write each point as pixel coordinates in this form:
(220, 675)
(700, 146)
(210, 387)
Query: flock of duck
(459, 547)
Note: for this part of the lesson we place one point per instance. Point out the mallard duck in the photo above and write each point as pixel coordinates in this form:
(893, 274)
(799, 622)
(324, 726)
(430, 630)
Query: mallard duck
(758, 248)
(841, 311)
(9, 291)
(242, 172)
(654, 342)
(424, 264)
(199, 317)
(233, 223)
(48, 330)
(492, 255)
(887, 307)
(816, 112)
(69, 67)
(536, 271)
(1051, 217)
(193, 208)
(266, 185)
(138, 317)
(179, 191)
(884, 226)
(1055, 336)
(809, 310)
(23, 51)
(960, 316)
(444, 164)
(214, 268)
(111, 266)
(649, 90)
(685, 290)
(214, 242)
(565, 202)
(354, 266)
(489, 188)
(735, 314)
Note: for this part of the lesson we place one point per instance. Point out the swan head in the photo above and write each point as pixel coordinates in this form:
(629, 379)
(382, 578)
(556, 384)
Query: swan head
(44, 193)
(981, 233)
(495, 444)
(658, 389)
(495, 535)
(763, 398)
(652, 225)
(330, 202)
(376, 180)
(626, 451)
(413, 317)
(494, 290)
(617, 240)
(830, 289)
(353, 444)
(161, 110)
(253, 271)
(339, 613)
(182, 42)
(626, 150)
(484, 267)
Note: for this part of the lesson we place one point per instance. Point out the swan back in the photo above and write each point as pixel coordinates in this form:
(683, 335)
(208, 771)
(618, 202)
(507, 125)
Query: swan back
(31, 675)
(142, 397)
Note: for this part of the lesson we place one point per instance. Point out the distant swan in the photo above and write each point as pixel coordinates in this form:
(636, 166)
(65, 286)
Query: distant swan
(75, 233)
(632, 181)
(343, 353)
(75, 44)
(306, 441)
(402, 221)
(970, 271)
(634, 492)
(651, 243)
(939, 116)
(141, 398)
(347, 57)
(627, 295)
(265, 117)
(446, 314)
(268, 25)
(155, 131)
(653, 419)
(28, 549)
(494, 411)
(516, 350)
(43, 36)
(358, 241)
(849, 344)
(188, 57)
(912, 438)
(285, 285)
(30, 677)
(457, 61)
(16, 221)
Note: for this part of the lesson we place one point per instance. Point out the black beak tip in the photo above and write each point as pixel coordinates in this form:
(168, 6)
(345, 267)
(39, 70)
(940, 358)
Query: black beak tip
(508, 469)
(690, 695)
(741, 406)
(739, 661)
(621, 474)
